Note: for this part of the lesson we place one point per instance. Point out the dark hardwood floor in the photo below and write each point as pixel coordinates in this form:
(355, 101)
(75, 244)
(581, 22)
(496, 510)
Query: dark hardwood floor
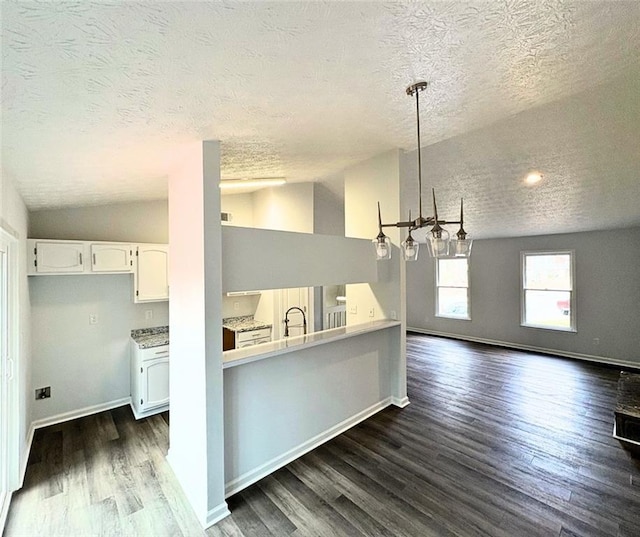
(495, 442)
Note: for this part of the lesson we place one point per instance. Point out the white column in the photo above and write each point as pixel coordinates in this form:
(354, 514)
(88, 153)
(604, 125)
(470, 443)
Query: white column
(196, 451)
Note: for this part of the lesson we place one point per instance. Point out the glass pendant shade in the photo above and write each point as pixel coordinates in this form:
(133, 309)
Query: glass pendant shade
(383, 247)
(460, 247)
(438, 243)
(410, 249)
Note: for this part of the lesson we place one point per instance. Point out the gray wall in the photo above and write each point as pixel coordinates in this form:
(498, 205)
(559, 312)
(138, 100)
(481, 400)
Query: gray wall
(607, 295)
(328, 208)
(144, 221)
(88, 365)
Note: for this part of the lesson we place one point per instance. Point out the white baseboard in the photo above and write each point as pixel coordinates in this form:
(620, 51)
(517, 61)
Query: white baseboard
(145, 414)
(216, 515)
(213, 515)
(400, 402)
(566, 354)
(252, 476)
(25, 454)
(80, 413)
(5, 501)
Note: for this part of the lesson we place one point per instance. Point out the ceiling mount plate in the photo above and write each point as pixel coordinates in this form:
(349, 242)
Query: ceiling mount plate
(418, 86)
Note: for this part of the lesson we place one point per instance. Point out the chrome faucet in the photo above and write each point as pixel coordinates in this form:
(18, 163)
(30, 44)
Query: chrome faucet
(286, 321)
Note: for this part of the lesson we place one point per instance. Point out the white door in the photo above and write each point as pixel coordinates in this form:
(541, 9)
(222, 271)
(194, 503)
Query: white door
(9, 442)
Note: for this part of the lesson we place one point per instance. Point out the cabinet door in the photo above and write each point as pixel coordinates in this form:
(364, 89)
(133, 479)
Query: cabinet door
(54, 257)
(111, 258)
(152, 273)
(155, 383)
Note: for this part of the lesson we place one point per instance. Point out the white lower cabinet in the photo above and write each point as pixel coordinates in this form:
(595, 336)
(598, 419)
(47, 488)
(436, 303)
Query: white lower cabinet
(149, 380)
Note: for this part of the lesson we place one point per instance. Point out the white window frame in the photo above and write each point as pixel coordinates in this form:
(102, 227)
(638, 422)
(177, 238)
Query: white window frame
(572, 292)
(437, 287)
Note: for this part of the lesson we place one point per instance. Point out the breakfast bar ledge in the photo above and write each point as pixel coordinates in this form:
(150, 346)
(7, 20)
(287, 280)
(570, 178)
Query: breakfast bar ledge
(254, 353)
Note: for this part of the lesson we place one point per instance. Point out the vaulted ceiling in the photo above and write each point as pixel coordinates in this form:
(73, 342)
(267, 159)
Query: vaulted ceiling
(98, 96)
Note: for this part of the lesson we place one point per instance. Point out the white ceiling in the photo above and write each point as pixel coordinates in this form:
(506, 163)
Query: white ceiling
(98, 96)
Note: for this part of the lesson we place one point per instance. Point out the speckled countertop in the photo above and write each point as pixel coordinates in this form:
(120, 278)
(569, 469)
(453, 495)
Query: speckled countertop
(244, 323)
(151, 337)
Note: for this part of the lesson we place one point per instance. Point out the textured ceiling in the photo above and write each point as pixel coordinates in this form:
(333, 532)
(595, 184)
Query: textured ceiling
(97, 96)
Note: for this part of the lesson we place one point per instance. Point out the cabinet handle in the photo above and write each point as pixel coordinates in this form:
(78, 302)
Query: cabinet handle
(94, 259)
(80, 254)
(141, 401)
(162, 352)
(140, 370)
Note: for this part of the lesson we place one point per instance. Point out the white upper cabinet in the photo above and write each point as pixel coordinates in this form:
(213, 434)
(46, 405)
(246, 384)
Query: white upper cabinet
(152, 273)
(52, 257)
(111, 257)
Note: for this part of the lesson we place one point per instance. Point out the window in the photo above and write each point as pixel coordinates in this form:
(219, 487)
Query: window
(452, 288)
(547, 290)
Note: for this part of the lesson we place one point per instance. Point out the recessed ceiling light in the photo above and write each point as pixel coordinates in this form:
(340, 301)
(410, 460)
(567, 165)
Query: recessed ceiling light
(533, 178)
(258, 182)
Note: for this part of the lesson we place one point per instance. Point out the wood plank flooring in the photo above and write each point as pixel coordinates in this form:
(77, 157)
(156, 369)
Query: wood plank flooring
(495, 442)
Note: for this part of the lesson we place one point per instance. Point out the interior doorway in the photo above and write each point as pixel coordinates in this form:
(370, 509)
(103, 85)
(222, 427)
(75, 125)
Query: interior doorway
(8, 374)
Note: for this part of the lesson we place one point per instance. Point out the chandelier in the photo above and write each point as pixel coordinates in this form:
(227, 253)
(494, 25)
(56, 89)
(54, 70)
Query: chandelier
(438, 242)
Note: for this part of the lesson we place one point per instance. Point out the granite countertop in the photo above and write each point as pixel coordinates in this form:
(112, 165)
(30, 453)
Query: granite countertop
(244, 323)
(151, 337)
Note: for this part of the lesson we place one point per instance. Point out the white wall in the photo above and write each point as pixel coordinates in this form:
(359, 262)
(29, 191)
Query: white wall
(607, 295)
(14, 220)
(88, 365)
(285, 208)
(241, 208)
(366, 184)
(290, 207)
(239, 306)
(145, 221)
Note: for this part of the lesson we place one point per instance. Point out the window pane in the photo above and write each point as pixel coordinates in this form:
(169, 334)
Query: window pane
(453, 272)
(548, 308)
(548, 271)
(452, 302)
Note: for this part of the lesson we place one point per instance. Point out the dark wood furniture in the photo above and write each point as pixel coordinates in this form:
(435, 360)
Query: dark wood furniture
(627, 413)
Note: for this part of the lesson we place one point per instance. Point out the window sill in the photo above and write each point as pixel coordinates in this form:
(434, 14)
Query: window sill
(553, 328)
(457, 318)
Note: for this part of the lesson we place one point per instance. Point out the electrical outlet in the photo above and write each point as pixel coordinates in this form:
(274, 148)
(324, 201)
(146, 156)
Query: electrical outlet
(353, 310)
(596, 341)
(148, 314)
(236, 306)
(394, 315)
(43, 393)
(372, 312)
(93, 318)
